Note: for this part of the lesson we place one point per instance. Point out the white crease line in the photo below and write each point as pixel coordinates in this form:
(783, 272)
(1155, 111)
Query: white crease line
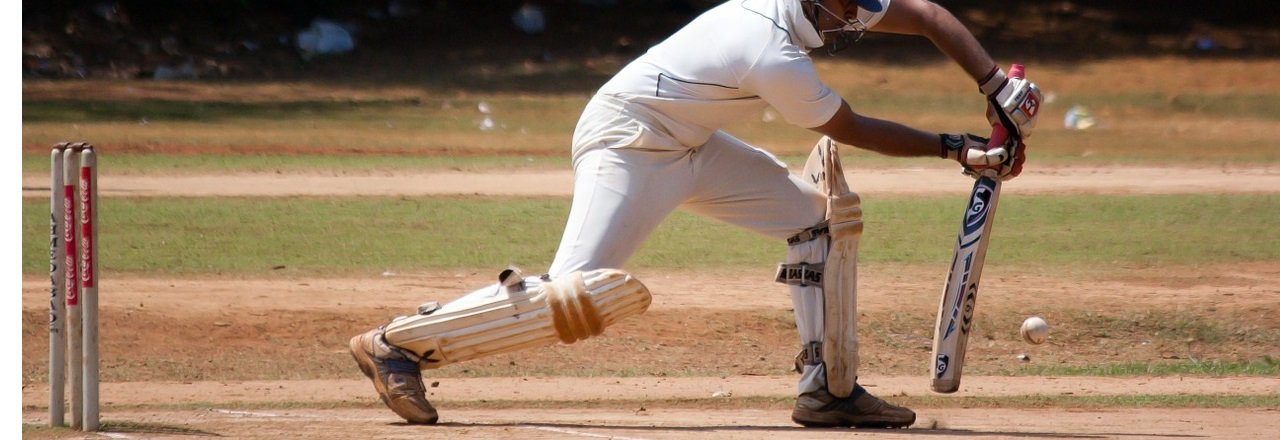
(113, 435)
(290, 416)
(583, 434)
(245, 413)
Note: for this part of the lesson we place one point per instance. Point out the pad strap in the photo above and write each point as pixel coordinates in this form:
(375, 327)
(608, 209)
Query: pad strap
(810, 354)
(800, 274)
(812, 233)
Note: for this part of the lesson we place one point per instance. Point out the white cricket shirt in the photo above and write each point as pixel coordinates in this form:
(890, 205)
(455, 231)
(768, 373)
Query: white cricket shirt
(729, 63)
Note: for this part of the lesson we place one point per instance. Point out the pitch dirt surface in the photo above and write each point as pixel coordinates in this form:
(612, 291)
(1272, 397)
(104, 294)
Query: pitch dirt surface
(912, 181)
(634, 407)
(233, 408)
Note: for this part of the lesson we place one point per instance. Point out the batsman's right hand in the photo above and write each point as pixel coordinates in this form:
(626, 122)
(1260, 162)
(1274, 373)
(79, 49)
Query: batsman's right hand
(1003, 161)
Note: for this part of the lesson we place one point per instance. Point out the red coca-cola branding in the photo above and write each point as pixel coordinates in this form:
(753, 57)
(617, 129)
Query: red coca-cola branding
(86, 227)
(69, 242)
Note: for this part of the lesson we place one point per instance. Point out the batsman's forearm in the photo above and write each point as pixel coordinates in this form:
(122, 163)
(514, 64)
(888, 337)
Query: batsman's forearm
(893, 139)
(878, 135)
(954, 39)
(928, 19)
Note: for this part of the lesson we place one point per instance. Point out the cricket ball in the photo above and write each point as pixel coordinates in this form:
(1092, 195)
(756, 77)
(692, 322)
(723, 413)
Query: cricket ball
(1035, 330)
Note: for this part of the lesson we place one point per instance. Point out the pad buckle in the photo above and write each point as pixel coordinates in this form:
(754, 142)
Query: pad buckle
(428, 308)
(810, 354)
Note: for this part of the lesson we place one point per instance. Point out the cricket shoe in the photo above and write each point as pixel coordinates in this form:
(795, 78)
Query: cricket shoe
(397, 378)
(860, 410)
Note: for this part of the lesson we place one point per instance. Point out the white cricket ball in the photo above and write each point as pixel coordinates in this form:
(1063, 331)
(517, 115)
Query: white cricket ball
(1035, 330)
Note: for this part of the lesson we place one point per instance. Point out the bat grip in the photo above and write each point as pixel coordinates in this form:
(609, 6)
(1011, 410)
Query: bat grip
(999, 135)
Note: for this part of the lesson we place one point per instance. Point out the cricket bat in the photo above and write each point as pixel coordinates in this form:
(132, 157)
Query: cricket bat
(960, 295)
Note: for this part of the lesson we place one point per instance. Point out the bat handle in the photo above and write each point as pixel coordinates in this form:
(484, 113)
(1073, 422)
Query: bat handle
(999, 135)
(1017, 71)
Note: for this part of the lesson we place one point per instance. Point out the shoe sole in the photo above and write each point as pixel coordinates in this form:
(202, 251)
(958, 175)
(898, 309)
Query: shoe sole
(819, 420)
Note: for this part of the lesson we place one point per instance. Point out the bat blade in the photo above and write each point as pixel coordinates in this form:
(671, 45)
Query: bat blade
(959, 296)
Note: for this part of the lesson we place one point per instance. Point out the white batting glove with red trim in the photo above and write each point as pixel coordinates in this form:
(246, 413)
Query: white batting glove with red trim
(1011, 102)
(1003, 161)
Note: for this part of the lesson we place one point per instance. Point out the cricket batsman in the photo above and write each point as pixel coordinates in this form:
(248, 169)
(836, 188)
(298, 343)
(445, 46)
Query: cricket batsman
(650, 141)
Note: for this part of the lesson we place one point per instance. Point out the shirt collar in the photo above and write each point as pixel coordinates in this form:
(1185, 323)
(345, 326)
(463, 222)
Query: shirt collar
(788, 15)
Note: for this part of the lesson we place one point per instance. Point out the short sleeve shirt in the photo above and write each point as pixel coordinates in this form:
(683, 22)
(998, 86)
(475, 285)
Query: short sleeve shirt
(729, 63)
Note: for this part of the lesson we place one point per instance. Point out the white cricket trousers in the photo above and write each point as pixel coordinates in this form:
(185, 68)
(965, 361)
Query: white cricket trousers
(628, 177)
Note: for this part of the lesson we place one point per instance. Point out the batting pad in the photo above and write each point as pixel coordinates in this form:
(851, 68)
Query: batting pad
(826, 300)
(508, 316)
(840, 292)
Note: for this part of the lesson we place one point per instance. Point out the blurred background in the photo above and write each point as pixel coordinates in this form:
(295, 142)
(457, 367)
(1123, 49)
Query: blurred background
(291, 39)
(269, 169)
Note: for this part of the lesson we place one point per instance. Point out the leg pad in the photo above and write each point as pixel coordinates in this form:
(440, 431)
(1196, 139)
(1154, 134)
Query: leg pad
(508, 317)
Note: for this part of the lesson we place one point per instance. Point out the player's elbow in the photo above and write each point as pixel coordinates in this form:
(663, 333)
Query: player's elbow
(841, 126)
(936, 22)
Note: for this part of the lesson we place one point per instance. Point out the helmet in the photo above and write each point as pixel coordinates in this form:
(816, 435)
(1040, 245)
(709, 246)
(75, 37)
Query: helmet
(848, 31)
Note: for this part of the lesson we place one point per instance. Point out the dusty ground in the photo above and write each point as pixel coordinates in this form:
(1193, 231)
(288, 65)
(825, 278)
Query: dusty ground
(219, 336)
(661, 423)
(627, 407)
(1090, 180)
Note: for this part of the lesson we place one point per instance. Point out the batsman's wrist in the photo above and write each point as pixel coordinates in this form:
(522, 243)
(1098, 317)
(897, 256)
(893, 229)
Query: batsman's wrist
(950, 145)
(992, 82)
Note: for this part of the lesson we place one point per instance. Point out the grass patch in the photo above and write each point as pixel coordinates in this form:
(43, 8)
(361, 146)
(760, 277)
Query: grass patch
(42, 431)
(129, 426)
(137, 163)
(362, 403)
(262, 236)
(1096, 402)
(271, 163)
(779, 402)
(1264, 106)
(1267, 366)
(775, 402)
(440, 112)
(1178, 327)
(34, 431)
(518, 124)
(694, 342)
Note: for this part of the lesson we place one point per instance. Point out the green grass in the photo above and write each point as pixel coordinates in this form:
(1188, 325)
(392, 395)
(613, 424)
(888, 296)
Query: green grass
(255, 236)
(1163, 124)
(260, 163)
(432, 113)
(1181, 326)
(1098, 402)
(114, 426)
(541, 123)
(924, 401)
(374, 162)
(1263, 105)
(762, 402)
(1267, 366)
(1085, 230)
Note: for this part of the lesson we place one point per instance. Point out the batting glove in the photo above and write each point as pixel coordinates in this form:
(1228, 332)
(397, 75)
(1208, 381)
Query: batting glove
(1002, 162)
(1011, 102)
